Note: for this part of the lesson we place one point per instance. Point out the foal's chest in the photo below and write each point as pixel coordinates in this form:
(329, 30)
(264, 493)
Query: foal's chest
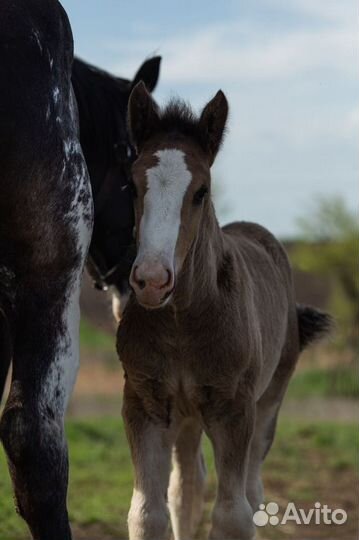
(175, 361)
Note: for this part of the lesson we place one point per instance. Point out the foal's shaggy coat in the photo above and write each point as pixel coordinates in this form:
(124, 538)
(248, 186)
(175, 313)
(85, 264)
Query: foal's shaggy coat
(219, 353)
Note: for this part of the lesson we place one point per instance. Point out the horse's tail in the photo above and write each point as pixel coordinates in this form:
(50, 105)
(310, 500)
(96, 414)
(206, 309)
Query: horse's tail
(313, 324)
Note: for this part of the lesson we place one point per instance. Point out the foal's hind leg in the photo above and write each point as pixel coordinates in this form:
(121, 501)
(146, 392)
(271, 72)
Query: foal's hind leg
(266, 419)
(267, 411)
(187, 481)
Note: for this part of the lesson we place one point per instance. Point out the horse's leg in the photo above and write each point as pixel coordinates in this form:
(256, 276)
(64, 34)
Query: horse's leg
(187, 481)
(151, 444)
(45, 364)
(267, 410)
(266, 418)
(230, 429)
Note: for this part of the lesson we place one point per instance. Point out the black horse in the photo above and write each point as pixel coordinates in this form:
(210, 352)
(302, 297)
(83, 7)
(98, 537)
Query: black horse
(102, 101)
(46, 218)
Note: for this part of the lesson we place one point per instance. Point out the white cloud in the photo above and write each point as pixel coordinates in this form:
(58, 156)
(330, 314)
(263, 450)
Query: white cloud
(214, 57)
(238, 52)
(291, 89)
(351, 123)
(336, 11)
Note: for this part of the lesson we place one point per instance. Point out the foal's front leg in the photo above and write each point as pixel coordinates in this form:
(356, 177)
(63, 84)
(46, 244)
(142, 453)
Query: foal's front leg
(230, 430)
(187, 482)
(151, 443)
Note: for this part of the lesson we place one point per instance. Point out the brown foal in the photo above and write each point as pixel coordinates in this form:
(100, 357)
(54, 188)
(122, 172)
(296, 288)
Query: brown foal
(210, 337)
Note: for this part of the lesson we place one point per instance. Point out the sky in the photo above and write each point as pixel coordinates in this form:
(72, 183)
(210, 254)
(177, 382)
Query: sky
(289, 69)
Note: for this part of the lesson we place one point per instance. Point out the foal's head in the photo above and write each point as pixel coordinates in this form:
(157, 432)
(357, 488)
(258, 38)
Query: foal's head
(171, 180)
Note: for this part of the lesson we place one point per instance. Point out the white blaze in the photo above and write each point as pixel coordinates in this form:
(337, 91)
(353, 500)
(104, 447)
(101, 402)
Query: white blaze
(167, 184)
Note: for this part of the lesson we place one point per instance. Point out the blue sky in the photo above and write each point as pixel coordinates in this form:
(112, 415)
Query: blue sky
(289, 69)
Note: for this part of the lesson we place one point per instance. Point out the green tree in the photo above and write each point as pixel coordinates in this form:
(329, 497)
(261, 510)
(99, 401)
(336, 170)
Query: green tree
(330, 247)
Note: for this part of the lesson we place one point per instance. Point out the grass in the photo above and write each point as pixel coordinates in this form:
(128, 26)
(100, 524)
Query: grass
(308, 462)
(337, 381)
(92, 338)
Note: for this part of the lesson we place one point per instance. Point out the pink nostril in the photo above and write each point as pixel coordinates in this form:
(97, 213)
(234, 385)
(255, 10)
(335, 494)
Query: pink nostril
(141, 283)
(155, 277)
(169, 279)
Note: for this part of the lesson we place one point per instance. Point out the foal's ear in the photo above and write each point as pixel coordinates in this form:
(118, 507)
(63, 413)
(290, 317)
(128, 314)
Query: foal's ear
(142, 115)
(213, 122)
(149, 73)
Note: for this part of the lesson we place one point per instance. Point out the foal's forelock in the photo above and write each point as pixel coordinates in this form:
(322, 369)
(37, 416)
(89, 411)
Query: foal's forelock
(167, 184)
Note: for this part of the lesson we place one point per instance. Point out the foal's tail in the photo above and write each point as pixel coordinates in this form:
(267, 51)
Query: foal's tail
(313, 324)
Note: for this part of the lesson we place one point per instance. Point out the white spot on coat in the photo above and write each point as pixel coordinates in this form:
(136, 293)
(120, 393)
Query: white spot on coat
(36, 35)
(62, 373)
(56, 94)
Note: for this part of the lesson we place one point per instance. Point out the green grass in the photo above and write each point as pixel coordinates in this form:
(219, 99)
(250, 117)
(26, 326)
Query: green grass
(308, 462)
(339, 381)
(94, 339)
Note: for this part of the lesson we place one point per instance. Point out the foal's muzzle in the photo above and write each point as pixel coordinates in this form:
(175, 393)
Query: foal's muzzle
(152, 282)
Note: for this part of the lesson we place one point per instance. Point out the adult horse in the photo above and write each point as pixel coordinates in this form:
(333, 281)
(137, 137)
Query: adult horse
(102, 105)
(102, 102)
(46, 218)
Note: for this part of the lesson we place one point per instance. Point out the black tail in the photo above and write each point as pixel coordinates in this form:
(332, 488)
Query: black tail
(313, 324)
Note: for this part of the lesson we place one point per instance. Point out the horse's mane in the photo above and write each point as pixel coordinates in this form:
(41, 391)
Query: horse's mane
(179, 119)
(102, 101)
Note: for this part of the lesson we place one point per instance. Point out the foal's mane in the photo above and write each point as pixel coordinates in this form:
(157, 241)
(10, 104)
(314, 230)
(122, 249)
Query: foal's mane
(101, 99)
(178, 119)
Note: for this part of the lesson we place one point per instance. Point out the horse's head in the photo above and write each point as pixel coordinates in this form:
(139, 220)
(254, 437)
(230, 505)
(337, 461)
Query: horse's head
(102, 102)
(171, 182)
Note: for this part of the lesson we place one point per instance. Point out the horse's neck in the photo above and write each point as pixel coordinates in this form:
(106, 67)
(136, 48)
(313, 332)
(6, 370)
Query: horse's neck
(198, 281)
(93, 141)
(84, 108)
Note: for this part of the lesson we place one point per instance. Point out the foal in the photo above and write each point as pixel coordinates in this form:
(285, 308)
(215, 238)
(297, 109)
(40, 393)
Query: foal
(211, 336)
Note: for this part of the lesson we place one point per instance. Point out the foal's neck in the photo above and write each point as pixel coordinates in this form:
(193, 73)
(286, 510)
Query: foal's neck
(198, 281)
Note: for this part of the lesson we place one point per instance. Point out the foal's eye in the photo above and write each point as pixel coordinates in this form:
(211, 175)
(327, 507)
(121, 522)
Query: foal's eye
(199, 195)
